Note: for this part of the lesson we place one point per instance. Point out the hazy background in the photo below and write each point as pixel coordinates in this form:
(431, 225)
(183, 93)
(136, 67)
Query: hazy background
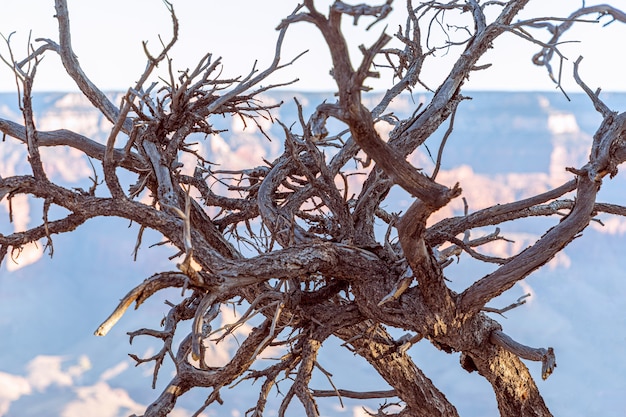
(107, 38)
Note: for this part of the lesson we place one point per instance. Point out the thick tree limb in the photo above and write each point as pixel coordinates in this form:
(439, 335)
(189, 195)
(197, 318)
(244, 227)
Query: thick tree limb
(476, 296)
(500, 213)
(411, 385)
(607, 140)
(516, 393)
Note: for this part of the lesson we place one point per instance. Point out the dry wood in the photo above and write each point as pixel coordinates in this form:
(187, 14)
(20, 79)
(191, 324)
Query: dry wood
(320, 271)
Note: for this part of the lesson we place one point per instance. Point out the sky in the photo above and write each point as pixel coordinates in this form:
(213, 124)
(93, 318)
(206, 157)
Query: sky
(107, 39)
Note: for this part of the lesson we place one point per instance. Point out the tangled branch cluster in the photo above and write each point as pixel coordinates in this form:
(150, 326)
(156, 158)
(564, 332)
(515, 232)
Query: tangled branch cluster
(318, 269)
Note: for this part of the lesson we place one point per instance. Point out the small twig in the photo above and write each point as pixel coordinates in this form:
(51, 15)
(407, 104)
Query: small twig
(329, 377)
(142, 228)
(272, 332)
(46, 209)
(602, 108)
(197, 347)
(433, 176)
(251, 312)
(520, 301)
(466, 247)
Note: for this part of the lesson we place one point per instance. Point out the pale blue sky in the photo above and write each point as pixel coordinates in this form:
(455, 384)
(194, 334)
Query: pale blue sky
(107, 39)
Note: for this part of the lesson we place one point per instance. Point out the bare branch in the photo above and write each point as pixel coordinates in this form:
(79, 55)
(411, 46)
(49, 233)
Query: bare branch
(138, 295)
(475, 297)
(544, 56)
(293, 244)
(97, 97)
(520, 301)
(366, 395)
(598, 104)
(63, 137)
(546, 356)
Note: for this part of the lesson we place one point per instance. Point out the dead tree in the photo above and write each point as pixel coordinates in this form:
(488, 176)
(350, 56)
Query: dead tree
(320, 271)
